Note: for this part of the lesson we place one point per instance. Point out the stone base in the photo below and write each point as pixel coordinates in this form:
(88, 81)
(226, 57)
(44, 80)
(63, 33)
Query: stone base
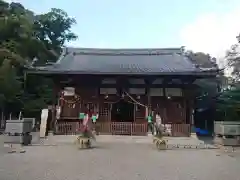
(25, 139)
(227, 141)
(1, 143)
(194, 135)
(50, 133)
(149, 134)
(14, 148)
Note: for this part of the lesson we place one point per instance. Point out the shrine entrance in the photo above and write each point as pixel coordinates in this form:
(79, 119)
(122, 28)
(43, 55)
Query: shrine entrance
(122, 111)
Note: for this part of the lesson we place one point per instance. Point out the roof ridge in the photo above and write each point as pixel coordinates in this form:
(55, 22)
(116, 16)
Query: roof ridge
(84, 48)
(142, 51)
(124, 54)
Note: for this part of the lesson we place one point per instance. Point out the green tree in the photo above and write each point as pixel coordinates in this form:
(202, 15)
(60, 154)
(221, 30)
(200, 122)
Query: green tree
(228, 105)
(233, 60)
(25, 36)
(228, 101)
(54, 30)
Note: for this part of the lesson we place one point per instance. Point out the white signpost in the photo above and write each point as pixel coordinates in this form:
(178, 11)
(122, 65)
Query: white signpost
(43, 126)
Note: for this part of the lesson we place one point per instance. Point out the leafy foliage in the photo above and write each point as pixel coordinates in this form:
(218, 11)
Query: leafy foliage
(209, 86)
(25, 36)
(207, 90)
(201, 59)
(228, 105)
(233, 60)
(228, 102)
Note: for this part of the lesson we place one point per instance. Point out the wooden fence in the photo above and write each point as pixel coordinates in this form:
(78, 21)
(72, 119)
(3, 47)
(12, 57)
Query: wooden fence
(121, 128)
(181, 130)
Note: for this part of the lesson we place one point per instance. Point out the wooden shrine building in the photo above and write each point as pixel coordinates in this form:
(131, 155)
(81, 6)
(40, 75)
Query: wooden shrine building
(123, 86)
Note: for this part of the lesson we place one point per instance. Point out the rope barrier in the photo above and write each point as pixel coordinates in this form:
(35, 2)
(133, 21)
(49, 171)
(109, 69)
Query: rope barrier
(135, 100)
(70, 102)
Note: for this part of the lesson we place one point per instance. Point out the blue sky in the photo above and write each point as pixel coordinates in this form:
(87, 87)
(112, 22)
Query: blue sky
(142, 24)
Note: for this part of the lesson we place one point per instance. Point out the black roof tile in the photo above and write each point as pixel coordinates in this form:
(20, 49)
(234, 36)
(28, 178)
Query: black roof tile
(122, 61)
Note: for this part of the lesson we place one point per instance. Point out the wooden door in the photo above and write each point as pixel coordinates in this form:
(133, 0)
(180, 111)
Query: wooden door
(175, 113)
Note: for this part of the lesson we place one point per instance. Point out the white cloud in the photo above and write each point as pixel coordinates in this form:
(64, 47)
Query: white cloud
(212, 33)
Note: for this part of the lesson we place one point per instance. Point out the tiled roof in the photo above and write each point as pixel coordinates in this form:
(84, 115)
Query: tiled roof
(122, 61)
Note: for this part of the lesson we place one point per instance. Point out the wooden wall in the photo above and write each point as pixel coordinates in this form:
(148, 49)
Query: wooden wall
(171, 110)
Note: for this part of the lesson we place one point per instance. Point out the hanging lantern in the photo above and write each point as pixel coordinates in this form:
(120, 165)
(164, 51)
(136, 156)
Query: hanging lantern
(106, 96)
(138, 97)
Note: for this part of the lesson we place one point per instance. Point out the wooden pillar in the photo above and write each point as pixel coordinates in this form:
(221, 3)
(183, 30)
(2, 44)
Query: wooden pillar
(191, 112)
(188, 97)
(185, 112)
(165, 109)
(148, 82)
(54, 104)
(190, 104)
(52, 124)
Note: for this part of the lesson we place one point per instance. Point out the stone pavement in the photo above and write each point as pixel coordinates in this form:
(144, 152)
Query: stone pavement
(69, 139)
(117, 158)
(117, 161)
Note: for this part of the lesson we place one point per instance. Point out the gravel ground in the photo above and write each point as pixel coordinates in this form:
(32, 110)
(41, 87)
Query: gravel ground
(118, 161)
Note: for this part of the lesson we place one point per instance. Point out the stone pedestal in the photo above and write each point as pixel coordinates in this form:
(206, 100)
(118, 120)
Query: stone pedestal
(50, 133)
(227, 128)
(194, 135)
(1, 143)
(235, 141)
(25, 139)
(149, 134)
(15, 148)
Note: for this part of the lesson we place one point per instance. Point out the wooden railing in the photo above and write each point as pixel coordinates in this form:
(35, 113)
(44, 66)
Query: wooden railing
(114, 128)
(127, 128)
(181, 130)
(67, 128)
(121, 128)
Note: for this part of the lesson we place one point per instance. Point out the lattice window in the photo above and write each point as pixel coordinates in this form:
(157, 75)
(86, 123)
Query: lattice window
(104, 110)
(150, 106)
(90, 106)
